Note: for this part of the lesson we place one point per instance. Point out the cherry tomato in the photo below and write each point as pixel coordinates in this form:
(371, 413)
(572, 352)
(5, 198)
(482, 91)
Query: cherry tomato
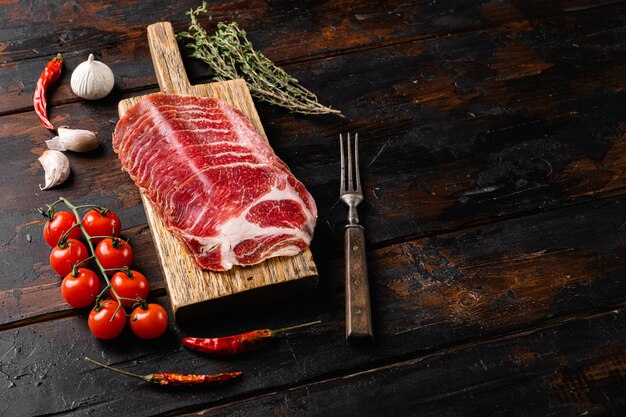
(114, 253)
(130, 286)
(63, 258)
(149, 322)
(105, 323)
(80, 290)
(98, 224)
(60, 223)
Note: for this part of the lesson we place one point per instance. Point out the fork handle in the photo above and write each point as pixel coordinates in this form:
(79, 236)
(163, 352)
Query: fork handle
(358, 309)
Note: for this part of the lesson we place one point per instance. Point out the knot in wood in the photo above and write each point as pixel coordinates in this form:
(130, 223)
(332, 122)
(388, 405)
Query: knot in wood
(467, 299)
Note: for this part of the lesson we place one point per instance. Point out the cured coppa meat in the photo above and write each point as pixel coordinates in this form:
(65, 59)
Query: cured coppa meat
(217, 185)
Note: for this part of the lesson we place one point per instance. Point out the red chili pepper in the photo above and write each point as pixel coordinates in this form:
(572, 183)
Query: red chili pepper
(239, 343)
(49, 75)
(169, 378)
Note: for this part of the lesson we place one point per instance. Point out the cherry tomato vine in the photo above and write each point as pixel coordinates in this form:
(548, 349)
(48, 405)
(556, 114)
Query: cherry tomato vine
(112, 256)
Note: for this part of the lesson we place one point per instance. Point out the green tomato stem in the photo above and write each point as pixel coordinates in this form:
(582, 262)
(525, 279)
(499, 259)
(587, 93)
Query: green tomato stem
(92, 250)
(104, 290)
(79, 264)
(65, 236)
(89, 206)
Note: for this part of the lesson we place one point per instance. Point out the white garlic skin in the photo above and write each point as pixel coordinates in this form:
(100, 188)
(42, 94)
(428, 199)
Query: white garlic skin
(56, 166)
(92, 80)
(76, 140)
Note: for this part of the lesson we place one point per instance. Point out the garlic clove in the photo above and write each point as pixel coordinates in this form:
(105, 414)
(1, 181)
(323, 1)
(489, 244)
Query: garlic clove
(56, 166)
(92, 80)
(55, 144)
(77, 140)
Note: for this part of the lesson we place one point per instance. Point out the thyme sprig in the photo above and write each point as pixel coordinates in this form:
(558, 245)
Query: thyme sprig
(231, 55)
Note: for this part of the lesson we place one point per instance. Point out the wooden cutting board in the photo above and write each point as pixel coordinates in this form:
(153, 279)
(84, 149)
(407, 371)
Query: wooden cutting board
(194, 292)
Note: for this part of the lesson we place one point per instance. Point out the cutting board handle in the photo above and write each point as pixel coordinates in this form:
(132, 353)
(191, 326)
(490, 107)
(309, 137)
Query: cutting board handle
(168, 63)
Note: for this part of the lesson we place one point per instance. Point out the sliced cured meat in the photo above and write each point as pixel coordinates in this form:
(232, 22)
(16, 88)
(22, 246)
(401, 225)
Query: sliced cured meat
(217, 185)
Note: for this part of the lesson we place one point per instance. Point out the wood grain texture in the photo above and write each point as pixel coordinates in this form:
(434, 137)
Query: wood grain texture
(167, 61)
(34, 32)
(530, 375)
(424, 171)
(194, 291)
(358, 303)
(506, 278)
(493, 141)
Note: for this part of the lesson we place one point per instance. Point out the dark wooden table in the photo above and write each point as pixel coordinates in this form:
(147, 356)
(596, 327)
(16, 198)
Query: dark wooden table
(494, 164)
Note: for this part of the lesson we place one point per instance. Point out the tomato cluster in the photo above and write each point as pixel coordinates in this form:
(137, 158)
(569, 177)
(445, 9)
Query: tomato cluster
(113, 256)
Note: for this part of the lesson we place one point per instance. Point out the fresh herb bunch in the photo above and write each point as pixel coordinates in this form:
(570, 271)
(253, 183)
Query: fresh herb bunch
(231, 55)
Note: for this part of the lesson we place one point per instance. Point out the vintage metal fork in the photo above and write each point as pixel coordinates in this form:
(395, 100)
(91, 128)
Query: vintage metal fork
(358, 310)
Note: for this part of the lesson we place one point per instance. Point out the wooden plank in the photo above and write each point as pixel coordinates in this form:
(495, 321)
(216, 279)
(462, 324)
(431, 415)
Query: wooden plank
(194, 291)
(534, 117)
(426, 171)
(551, 364)
(31, 34)
(119, 35)
(497, 277)
(547, 372)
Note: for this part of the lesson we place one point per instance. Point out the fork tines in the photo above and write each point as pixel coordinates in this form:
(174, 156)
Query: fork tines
(353, 184)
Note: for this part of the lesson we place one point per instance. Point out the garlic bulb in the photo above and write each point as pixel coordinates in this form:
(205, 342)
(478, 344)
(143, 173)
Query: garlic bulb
(77, 140)
(92, 79)
(57, 168)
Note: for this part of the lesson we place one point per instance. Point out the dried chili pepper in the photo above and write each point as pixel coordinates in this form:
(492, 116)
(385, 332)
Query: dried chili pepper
(169, 378)
(49, 75)
(239, 343)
